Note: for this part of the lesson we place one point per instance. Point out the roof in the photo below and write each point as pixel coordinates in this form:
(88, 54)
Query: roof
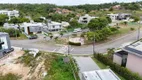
(134, 48)
(3, 33)
(54, 23)
(106, 74)
(32, 24)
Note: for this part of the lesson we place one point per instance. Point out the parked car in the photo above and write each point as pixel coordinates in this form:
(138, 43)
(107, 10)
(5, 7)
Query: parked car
(33, 37)
(77, 30)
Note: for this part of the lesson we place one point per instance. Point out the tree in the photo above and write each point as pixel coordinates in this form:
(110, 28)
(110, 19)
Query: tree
(136, 19)
(3, 19)
(38, 20)
(74, 23)
(15, 20)
(98, 23)
(109, 19)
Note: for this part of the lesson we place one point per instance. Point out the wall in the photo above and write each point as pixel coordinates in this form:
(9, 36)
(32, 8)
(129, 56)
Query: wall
(134, 63)
(117, 59)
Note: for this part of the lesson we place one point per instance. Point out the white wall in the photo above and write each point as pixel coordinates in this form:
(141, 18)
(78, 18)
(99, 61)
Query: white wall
(117, 59)
(5, 45)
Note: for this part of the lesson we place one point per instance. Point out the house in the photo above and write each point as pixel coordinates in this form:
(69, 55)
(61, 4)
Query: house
(130, 57)
(85, 19)
(13, 13)
(116, 7)
(7, 26)
(53, 26)
(4, 43)
(30, 28)
(106, 74)
(119, 16)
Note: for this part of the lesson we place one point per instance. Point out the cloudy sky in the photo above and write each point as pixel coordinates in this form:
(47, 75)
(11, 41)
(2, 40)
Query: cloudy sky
(65, 2)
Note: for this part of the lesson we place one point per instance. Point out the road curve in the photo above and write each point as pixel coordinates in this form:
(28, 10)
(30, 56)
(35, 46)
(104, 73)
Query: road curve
(116, 43)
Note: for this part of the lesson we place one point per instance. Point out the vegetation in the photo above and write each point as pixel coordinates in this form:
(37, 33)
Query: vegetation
(28, 59)
(97, 23)
(59, 70)
(3, 19)
(124, 72)
(101, 35)
(76, 44)
(9, 76)
(11, 31)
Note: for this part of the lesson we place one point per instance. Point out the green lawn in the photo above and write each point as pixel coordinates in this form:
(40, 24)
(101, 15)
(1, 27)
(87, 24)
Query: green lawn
(59, 70)
(103, 66)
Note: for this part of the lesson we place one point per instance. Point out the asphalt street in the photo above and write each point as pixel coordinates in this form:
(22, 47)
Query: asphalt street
(114, 43)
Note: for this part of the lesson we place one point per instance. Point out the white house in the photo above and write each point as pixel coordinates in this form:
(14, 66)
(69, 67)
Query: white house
(13, 13)
(30, 28)
(7, 25)
(119, 16)
(53, 26)
(4, 43)
(85, 19)
(106, 74)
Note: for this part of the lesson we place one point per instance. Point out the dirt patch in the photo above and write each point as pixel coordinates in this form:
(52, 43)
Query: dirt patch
(8, 64)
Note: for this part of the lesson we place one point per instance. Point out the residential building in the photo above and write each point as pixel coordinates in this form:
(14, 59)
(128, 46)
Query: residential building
(85, 19)
(117, 7)
(119, 16)
(7, 26)
(53, 26)
(4, 43)
(30, 28)
(62, 11)
(106, 74)
(130, 57)
(13, 13)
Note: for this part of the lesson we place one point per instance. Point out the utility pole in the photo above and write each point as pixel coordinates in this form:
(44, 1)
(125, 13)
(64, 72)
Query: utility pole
(94, 45)
(138, 37)
(68, 46)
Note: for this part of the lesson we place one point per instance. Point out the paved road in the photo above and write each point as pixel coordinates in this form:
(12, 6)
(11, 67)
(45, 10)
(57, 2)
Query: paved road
(77, 50)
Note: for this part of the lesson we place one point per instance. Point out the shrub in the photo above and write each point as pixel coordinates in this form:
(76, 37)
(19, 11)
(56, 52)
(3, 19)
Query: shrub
(124, 72)
(11, 31)
(76, 44)
(132, 29)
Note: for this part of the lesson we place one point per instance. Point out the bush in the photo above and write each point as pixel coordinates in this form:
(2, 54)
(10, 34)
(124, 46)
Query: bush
(76, 44)
(9, 76)
(124, 72)
(11, 31)
(132, 29)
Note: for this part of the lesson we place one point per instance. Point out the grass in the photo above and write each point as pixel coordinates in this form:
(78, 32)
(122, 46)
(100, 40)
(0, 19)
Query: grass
(21, 37)
(57, 69)
(9, 76)
(103, 66)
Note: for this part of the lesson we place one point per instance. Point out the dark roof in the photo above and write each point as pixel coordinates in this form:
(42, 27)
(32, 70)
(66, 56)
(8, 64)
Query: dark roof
(121, 53)
(133, 50)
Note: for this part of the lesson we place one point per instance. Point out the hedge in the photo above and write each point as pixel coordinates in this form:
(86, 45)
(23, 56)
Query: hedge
(76, 44)
(124, 72)
(11, 31)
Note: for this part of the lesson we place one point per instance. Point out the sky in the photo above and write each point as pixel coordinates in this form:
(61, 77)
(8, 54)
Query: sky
(66, 2)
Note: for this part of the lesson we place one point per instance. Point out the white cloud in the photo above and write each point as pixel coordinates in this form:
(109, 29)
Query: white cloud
(65, 2)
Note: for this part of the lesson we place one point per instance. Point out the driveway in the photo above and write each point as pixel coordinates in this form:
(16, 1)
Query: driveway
(86, 64)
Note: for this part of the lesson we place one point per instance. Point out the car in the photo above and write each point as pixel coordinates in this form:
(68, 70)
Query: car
(33, 37)
(77, 30)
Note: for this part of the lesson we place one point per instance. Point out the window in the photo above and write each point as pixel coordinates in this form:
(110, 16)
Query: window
(53, 26)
